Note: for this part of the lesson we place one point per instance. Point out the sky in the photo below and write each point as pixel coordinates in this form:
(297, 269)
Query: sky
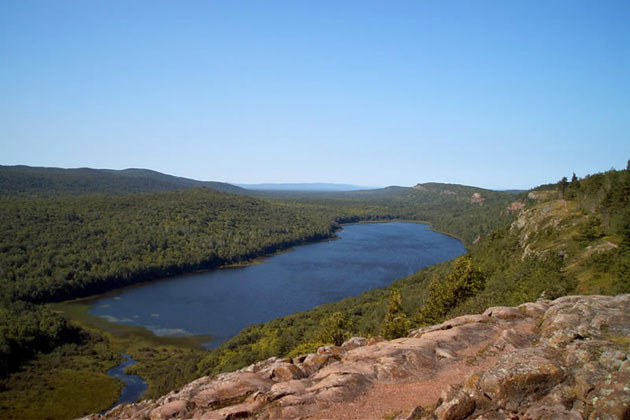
(496, 94)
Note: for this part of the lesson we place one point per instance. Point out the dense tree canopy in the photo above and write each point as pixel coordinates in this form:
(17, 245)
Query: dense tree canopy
(72, 246)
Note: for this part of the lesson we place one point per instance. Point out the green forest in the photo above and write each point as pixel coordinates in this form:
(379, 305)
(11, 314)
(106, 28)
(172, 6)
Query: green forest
(67, 246)
(29, 181)
(62, 248)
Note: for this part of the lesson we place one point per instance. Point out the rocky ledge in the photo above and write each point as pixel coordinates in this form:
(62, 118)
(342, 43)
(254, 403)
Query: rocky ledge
(568, 358)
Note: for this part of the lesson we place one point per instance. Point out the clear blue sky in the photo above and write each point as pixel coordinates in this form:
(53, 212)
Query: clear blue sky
(501, 94)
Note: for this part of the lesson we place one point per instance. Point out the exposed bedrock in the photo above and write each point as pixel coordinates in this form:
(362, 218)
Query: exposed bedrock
(568, 358)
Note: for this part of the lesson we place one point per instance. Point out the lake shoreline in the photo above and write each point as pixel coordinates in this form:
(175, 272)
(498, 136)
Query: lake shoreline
(360, 259)
(81, 306)
(255, 260)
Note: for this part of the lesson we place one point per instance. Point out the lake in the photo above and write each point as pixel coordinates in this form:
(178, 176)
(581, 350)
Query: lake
(222, 302)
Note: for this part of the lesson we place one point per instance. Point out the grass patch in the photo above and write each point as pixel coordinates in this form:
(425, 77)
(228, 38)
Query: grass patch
(67, 383)
(621, 341)
(123, 335)
(165, 363)
(392, 415)
(61, 394)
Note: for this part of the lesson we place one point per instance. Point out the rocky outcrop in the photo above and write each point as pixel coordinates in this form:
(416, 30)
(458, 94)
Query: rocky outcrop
(547, 228)
(516, 206)
(476, 198)
(420, 187)
(568, 358)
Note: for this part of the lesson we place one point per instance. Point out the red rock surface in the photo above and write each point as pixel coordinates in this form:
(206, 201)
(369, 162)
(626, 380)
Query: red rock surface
(567, 358)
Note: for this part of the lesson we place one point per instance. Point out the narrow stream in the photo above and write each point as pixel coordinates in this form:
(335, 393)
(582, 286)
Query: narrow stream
(134, 385)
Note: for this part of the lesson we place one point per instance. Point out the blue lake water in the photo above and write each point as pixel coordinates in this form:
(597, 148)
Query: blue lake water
(222, 302)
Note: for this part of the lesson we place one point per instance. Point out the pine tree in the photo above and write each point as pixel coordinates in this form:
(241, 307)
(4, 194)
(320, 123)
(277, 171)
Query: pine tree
(335, 329)
(464, 281)
(396, 322)
(562, 186)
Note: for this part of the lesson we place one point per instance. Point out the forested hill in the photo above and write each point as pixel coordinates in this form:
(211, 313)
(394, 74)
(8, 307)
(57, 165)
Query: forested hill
(49, 182)
(436, 193)
(70, 246)
(464, 211)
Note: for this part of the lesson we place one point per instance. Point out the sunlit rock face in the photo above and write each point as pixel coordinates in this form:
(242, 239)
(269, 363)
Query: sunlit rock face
(567, 358)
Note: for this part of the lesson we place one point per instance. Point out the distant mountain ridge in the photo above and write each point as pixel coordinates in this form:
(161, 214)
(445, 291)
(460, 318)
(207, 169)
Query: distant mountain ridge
(41, 181)
(304, 186)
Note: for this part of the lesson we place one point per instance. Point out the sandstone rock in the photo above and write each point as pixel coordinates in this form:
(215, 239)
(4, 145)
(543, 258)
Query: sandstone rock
(447, 325)
(286, 388)
(354, 342)
(520, 375)
(240, 410)
(441, 353)
(331, 350)
(286, 372)
(533, 309)
(510, 339)
(503, 312)
(297, 399)
(516, 206)
(476, 198)
(567, 358)
(374, 340)
(458, 405)
(174, 409)
(314, 362)
(262, 365)
(339, 386)
(231, 390)
(613, 398)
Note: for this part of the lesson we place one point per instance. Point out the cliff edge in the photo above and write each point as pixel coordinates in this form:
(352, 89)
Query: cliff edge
(568, 358)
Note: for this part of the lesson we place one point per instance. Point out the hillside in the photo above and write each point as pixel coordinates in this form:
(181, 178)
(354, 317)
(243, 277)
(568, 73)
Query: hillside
(72, 246)
(464, 211)
(49, 182)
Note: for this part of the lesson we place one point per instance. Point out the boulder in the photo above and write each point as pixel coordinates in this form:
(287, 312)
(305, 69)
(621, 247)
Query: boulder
(518, 376)
(173, 409)
(354, 342)
(458, 405)
(286, 372)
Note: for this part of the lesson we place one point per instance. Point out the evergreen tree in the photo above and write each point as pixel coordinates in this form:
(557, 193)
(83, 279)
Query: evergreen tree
(562, 186)
(574, 179)
(336, 329)
(396, 322)
(625, 232)
(445, 294)
(573, 188)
